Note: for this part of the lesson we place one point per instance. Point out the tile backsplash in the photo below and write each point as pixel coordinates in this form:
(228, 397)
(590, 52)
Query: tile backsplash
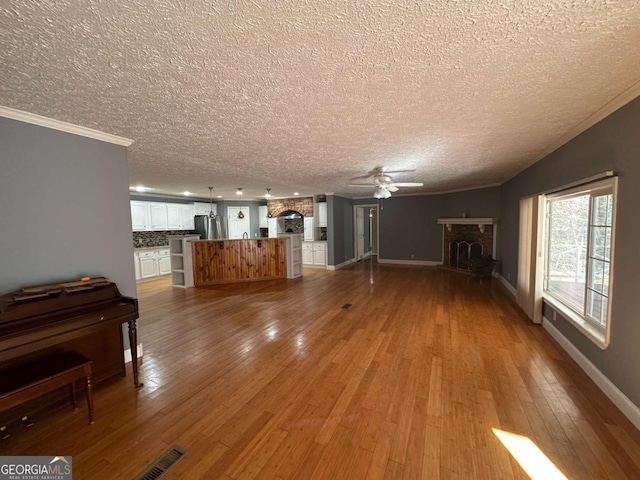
(155, 239)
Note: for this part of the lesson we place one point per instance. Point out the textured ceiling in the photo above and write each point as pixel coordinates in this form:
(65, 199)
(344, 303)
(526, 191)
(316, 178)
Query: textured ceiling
(302, 95)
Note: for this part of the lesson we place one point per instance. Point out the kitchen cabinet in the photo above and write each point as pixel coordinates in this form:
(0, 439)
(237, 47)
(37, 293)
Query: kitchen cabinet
(307, 253)
(263, 221)
(139, 216)
(186, 217)
(148, 264)
(201, 208)
(181, 260)
(272, 225)
(321, 211)
(136, 264)
(320, 254)
(164, 261)
(153, 262)
(158, 216)
(314, 254)
(309, 229)
(180, 217)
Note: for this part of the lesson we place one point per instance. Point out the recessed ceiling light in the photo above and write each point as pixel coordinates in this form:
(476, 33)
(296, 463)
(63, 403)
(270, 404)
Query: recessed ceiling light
(219, 196)
(296, 193)
(187, 194)
(139, 188)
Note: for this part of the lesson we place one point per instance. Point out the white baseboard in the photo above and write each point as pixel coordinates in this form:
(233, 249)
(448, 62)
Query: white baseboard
(510, 288)
(626, 406)
(426, 263)
(341, 265)
(127, 354)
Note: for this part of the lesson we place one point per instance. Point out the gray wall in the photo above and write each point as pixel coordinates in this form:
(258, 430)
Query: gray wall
(253, 212)
(339, 229)
(612, 144)
(408, 224)
(65, 208)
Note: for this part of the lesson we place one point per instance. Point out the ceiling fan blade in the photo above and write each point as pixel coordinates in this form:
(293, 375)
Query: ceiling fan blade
(392, 188)
(368, 185)
(387, 172)
(362, 177)
(408, 184)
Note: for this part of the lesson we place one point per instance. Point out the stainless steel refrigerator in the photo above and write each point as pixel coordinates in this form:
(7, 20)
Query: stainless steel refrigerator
(210, 228)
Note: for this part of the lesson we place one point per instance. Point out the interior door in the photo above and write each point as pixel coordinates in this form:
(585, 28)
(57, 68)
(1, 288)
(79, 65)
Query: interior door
(360, 232)
(238, 226)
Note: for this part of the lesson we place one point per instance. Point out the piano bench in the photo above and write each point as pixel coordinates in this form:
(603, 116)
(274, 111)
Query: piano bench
(26, 382)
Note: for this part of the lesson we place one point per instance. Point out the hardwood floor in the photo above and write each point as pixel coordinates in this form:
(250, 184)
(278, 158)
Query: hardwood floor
(277, 380)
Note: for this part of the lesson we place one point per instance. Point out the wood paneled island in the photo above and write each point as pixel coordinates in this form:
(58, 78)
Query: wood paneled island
(228, 261)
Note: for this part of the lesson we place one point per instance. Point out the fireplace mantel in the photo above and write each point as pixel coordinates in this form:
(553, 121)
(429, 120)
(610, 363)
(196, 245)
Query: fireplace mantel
(481, 222)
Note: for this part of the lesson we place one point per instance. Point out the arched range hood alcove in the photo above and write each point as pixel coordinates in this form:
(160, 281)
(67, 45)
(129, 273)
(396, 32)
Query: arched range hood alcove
(291, 214)
(290, 221)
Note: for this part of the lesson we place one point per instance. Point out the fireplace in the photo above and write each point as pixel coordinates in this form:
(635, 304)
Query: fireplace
(467, 239)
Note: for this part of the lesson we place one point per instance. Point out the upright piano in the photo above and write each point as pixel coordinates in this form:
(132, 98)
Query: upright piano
(84, 316)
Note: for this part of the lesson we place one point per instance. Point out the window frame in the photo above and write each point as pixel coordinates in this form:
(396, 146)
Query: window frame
(590, 327)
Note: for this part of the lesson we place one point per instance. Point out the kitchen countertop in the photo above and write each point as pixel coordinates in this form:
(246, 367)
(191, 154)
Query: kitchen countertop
(138, 249)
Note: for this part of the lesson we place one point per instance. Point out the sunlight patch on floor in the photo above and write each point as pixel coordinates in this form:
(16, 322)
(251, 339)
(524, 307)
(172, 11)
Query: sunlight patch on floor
(529, 456)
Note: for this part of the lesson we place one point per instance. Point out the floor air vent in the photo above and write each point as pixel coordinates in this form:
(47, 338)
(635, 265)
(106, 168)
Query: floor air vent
(347, 306)
(163, 464)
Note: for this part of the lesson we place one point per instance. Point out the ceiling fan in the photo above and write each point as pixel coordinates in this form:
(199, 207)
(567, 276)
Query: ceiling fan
(382, 183)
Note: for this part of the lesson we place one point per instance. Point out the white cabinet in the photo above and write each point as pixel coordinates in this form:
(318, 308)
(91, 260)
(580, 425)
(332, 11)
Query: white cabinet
(201, 208)
(263, 221)
(180, 217)
(136, 264)
(320, 254)
(321, 211)
(307, 253)
(293, 254)
(186, 217)
(309, 229)
(164, 261)
(181, 260)
(151, 263)
(158, 216)
(174, 217)
(272, 225)
(139, 216)
(314, 254)
(148, 264)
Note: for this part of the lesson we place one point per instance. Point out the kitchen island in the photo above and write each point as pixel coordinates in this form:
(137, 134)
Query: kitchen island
(229, 261)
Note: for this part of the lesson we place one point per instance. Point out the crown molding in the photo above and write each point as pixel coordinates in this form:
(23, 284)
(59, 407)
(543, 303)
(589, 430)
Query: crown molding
(607, 109)
(41, 121)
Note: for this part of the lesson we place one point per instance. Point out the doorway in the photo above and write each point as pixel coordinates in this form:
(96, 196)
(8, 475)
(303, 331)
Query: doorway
(238, 226)
(365, 231)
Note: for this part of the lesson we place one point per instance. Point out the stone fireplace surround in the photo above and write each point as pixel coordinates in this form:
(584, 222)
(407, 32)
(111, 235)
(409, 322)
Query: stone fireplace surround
(471, 230)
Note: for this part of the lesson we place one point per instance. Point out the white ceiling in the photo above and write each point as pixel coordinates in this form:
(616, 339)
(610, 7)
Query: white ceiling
(302, 95)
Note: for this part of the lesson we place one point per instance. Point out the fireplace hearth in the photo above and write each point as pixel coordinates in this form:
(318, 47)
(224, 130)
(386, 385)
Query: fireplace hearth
(467, 239)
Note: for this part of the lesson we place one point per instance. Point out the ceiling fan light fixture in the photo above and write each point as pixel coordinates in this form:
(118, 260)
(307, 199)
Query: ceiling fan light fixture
(239, 191)
(381, 192)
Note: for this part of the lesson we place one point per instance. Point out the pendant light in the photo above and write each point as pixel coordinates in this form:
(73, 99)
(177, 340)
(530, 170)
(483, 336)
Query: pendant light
(211, 213)
(239, 193)
(268, 196)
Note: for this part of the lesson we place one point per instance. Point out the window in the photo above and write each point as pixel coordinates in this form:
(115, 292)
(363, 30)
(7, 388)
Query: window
(579, 255)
